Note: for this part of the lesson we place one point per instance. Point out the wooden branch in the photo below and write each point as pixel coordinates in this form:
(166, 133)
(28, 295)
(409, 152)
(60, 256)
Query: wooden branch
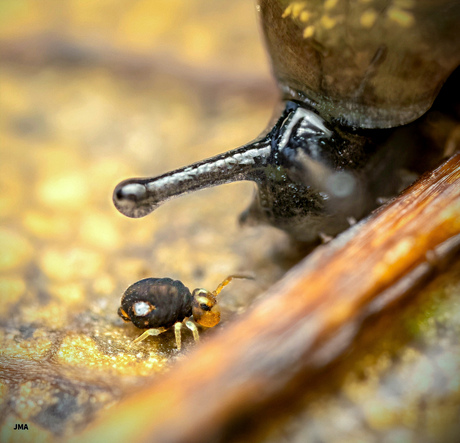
(302, 324)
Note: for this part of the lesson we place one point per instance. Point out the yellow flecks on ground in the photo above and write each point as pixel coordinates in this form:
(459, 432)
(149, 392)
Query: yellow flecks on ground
(82, 351)
(35, 433)
(145, 22)
(368, 18)
(400, 16)
(200, 43)
(25, 405)
(358, 390)
(54, 315)
(330, 4)
(383, 363)
(328, 22)
(64, 191)
(104, 284)
(15, 250)
(47, 226)
(13, 95)
(99, 230)
(55, 159)
(108, 170)
(19, 15)
(129, 269)
(101, 397)
(70, 264)
(12, 186)
(410, 355)
(405, 4)
(11, 290)
(68, 293)
(15, 346)
(309, 31)
(89, 17)
(379, 415)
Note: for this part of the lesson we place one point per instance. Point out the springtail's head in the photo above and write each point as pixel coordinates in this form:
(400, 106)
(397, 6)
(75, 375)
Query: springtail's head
(205, 310)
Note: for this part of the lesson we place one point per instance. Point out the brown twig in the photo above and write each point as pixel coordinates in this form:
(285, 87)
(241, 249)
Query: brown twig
(303, 323)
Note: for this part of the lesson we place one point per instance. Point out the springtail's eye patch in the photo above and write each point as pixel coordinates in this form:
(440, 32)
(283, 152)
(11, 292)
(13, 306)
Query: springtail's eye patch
(123, 314)
(142, 308)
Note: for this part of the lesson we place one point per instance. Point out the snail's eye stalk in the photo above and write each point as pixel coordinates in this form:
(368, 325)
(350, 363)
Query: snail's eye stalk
(289, 163)
(138, 197)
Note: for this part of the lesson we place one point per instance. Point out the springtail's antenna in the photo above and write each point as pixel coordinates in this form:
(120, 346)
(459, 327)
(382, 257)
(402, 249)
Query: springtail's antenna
(228, 280)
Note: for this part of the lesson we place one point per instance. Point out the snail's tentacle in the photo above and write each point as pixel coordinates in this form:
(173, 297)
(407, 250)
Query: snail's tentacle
(138, 197)
(298, 130)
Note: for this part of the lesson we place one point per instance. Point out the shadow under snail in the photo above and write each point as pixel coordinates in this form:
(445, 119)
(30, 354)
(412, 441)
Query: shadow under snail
(349, 72)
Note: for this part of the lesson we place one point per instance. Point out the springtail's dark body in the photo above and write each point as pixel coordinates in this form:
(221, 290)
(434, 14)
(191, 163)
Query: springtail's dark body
(156, 304)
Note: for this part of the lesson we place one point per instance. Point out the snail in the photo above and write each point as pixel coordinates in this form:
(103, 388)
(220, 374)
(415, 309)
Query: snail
(349, 72)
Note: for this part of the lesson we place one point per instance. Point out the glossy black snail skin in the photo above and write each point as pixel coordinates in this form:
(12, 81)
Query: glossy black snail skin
(156, 304)
(348, 72)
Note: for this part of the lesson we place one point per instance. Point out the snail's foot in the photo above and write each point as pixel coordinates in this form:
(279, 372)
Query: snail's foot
(325, 238)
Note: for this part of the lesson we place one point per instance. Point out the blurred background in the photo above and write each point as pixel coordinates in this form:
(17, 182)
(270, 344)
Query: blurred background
(92, 92)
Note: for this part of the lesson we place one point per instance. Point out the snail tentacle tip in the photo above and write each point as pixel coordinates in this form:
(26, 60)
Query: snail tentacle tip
(131, 199)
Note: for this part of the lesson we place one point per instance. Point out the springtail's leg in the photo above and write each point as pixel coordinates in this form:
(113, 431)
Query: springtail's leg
(193, 328)
(148, 333)
(177, 333)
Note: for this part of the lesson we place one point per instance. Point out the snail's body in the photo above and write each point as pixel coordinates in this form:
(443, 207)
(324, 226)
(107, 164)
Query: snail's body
(329, 155)
(364, 64)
